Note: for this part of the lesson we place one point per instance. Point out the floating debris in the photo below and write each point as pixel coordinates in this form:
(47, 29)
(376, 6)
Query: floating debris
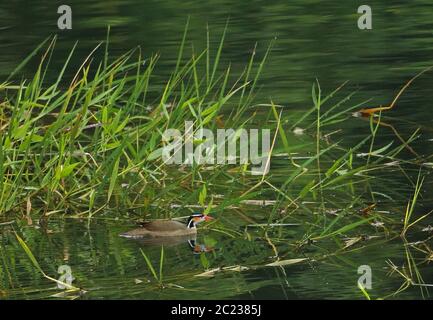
(351, 241)
(342, 172)
(273, 224)
(212, 272)
(173, 285)
(298, 131)
(366, 211)
(377, 224)
(286, 262)
(429, 228)
(70, 294)
(7, 223)
(368, 112)
(262, 203)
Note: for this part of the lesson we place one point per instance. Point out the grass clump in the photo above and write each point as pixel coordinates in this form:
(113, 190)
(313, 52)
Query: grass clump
(75, 146)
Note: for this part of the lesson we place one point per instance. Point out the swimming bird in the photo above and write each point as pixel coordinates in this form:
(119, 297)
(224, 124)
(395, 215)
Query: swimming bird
(168, 228)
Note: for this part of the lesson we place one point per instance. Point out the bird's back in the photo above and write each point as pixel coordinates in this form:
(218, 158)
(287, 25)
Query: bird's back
(164, 225)
(160, 228)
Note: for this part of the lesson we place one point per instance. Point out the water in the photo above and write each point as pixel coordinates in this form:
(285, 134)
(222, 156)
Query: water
(312, 40)
(107, 266)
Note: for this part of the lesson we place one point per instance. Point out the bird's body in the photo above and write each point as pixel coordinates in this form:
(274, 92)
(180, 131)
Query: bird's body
(160, 228)
(167, 228)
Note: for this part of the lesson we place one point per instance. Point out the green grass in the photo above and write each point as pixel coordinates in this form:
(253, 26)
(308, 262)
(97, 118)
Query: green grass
(87, 144)
(80, 145)
(157, 276)
(407, 223)
(66, 145)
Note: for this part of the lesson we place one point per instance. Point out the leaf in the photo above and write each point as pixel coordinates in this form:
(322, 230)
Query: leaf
(344, 229)
(149, 265)
(112, 145)
(29, 206)
(212, 109)
(113, 178)
(381, 150)
(27, 59)
(36, 264)
(37, 138)
(21, 132)
(67, 170)
(313, 94)
(209, 241)
(122, 125)
(29, 253)
(28, 211)
(204, 261)
(307, 189)
(161, 263)
(360, 286)
(210, 112)
(286, 262)
(209, 207)
(202, 195)
(334, 167)
(155, 154)
(209, 118)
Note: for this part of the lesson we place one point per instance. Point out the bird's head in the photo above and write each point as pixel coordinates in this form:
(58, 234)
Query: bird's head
(197, 218)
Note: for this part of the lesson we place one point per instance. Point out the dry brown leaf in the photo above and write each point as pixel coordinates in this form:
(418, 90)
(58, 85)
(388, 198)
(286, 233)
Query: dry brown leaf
(28, 210)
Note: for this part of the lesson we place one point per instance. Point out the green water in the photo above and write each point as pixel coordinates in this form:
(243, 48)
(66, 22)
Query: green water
(313, 40)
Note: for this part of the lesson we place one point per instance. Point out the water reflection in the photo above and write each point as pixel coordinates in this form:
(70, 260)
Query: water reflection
(189, 240)
(199, 248)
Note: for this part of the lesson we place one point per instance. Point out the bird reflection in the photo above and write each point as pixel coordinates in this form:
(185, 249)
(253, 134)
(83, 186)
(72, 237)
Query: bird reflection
(198, 248)
(190, 240)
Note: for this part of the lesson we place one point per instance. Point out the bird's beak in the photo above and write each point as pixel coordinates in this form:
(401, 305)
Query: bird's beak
(208, 218)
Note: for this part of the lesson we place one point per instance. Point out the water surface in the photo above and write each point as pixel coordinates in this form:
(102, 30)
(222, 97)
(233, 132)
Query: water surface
(312, 40)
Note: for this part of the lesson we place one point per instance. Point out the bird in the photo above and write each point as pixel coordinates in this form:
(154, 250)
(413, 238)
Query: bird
(167, 228)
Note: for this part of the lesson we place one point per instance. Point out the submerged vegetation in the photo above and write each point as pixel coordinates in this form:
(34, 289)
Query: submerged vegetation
(89, 147)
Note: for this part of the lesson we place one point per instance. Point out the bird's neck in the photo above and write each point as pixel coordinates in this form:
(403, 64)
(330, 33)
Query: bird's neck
(191, 224)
